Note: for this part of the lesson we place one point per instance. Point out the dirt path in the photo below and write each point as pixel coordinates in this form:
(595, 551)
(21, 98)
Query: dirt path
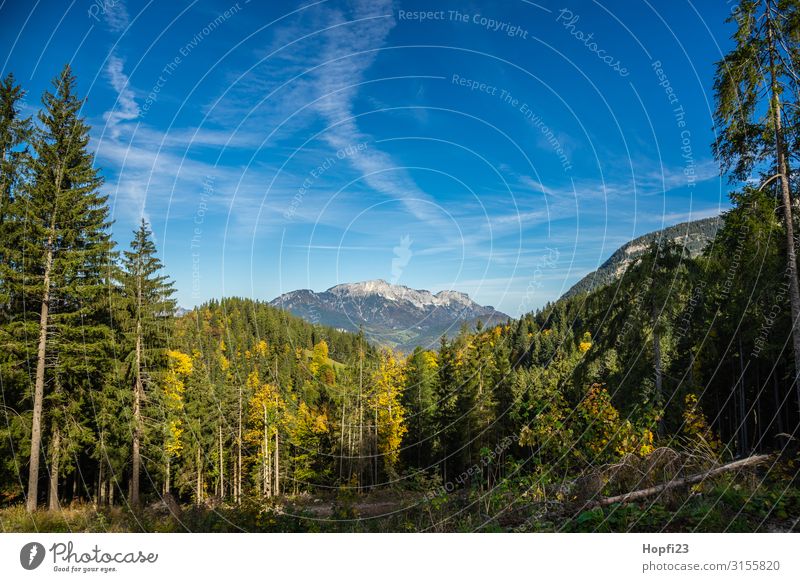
(363, 509)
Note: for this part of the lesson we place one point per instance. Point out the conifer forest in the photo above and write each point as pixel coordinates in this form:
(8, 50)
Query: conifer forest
(664, 398)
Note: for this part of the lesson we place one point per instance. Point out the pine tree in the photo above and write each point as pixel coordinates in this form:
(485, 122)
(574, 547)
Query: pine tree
(15, 131)
(660, 277)
(757, 124)
(447, 414)
(67, 250)
(419, 400)
(148, 309)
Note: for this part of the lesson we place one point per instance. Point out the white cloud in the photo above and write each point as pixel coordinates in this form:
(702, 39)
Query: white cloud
(116, 15)
(349, 51)
(125, 107)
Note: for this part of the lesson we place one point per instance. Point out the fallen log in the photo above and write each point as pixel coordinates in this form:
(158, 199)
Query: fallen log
(690, 480)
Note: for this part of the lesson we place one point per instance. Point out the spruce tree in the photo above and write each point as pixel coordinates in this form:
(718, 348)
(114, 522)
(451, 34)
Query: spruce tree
(15, 131)
(67, 249)
(14, 165)
(757, 116)
(148, 308)
(419, 399)
(14, 134)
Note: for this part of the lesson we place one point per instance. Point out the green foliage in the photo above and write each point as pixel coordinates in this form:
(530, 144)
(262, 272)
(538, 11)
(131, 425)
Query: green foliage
(250, 414)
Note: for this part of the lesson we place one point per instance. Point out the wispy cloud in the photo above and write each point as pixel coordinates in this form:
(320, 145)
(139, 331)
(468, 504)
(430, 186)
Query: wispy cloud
(116, 15)
(313, 70)
(648, 178)
(125, 108)
(349, 51)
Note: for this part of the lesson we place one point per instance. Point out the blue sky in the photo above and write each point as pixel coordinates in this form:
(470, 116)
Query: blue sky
(504, 149)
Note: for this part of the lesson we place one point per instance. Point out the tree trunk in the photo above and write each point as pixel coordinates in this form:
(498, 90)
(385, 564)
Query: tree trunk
(221, 467)
(659, 382)
(199, 496)
(233, 480)
(239, 452)
(55, 457)
(350, 448)
(38, 391)
(786, 199)
(276, 478)
(743, 411)
(137, 419)
(778, 401)
(267, 488)
(101, 481)
(659, 378)
(341, 441)
(698, 478)
(110, 479)
(360, 420)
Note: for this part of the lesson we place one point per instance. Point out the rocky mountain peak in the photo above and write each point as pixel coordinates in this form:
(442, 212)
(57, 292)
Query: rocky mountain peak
(390, 314)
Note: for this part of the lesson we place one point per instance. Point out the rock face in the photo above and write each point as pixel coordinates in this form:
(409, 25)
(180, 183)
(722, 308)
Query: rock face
(390, 315)
(693, 236)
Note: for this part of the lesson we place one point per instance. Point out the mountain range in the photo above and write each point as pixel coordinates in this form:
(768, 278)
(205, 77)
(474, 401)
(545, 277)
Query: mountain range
(693, 236)
(390, 315)
(403, 318)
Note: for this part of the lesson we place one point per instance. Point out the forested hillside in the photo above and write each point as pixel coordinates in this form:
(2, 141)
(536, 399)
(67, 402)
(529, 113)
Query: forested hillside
(117, 414)
(693, 237)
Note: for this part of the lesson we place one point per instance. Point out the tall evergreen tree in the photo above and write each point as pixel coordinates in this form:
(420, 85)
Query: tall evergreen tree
(148, 308)
(757, 122)
(14, 165)
(419, 400)
(447, 413)
(66, 248)
(15, 131)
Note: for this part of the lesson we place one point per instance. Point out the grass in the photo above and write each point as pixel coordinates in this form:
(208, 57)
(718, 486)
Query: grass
(746, 502)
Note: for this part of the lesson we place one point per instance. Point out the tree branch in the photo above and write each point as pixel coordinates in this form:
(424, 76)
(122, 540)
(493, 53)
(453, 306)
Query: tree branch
(697, 478)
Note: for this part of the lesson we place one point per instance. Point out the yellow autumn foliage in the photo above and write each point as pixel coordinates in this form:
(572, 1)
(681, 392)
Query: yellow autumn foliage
(606, 435)
(180, 366)
(386, 399)
(695, 424)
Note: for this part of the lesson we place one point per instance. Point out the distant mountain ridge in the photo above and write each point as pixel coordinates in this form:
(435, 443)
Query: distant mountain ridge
(391, 315)
(694, 236)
